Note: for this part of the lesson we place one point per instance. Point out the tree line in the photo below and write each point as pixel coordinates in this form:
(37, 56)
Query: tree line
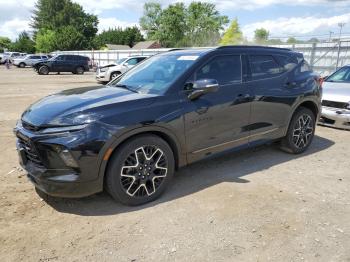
(64, 25)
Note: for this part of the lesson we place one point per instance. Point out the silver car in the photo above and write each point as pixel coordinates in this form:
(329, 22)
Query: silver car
(29, 60)
(336, 99)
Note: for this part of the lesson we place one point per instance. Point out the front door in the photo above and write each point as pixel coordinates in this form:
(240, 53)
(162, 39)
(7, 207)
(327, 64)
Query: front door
(218, 121)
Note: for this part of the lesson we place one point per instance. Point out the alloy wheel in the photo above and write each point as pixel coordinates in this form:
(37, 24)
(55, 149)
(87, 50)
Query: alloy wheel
(303, 131)
(143, 171)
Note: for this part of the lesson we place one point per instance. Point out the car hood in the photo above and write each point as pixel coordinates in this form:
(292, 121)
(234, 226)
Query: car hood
(339, 92)
(88, 102)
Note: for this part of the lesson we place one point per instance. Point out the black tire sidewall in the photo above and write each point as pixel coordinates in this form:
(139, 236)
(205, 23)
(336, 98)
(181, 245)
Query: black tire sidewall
(288, 141)
(40, 70)
(116, 75)
(79, 72)
(113, 182)
(22, 65)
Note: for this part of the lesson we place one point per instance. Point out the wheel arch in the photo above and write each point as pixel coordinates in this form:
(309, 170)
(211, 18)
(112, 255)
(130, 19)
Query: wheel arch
(165, 134)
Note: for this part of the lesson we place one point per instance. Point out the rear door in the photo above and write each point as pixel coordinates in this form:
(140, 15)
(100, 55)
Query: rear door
(273, 97)
(218, 121)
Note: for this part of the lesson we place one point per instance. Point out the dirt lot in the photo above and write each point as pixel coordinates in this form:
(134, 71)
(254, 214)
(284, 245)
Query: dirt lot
(256, 205)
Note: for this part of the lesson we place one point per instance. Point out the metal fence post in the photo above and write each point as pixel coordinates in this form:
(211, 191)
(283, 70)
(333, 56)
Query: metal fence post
(339, 47)
(312, 56)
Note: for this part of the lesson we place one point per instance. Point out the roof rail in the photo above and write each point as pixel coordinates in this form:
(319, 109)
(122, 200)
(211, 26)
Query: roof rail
(252, 46)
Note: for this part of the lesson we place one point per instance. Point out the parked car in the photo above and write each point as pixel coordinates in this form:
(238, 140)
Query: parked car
(76, 64)
(108, 72)
(8, 55)
(169, 111)
(336, 99)
(29, 60)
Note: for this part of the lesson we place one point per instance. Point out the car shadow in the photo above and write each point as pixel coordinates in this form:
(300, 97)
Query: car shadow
(230, 167)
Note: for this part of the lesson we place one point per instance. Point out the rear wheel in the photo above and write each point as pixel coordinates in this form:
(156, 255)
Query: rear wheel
(141, 170)
(79, 70)
(22, 65)
(43, 70)
(300, 132)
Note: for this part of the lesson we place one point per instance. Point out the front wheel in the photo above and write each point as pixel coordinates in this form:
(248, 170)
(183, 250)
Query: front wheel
(300, 132)
(140, 170)
(114, 75)
(22, 65)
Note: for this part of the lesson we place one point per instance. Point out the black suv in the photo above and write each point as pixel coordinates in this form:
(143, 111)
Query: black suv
(76, 64)
(167, 112)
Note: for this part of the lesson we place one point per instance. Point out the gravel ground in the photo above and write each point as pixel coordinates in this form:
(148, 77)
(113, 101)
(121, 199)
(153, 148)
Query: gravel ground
(257, 205)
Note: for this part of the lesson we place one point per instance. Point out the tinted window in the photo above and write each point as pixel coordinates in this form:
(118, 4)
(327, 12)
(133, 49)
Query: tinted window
(288, 62)
(264, 66)
(36, 57)
(342, 75)
(225, 69)
(60, 58)
(132, 61)
(139, 59)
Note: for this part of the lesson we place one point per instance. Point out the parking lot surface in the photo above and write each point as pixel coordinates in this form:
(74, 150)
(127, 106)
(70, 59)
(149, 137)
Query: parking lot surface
(257, 205)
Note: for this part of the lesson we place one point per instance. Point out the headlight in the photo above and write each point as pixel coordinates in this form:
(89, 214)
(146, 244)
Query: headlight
(51, 130)
(103, 69)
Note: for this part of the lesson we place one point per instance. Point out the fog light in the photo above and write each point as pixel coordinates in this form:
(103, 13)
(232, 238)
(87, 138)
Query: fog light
(67, 158)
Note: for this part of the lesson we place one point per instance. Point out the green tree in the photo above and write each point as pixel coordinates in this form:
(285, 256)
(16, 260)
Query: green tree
(23, 43)
(177, 25)
(292, 40)
(150, 21)
(45, 41)
(204, 23)
(118, 36)
(261, 35)
(313, 40)
(233, 34)
(64, 18)
(5, 43)
(172, 25)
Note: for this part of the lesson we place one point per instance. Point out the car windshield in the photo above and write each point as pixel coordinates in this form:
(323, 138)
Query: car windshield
(156, 74)
(342, 75)
(120, 61)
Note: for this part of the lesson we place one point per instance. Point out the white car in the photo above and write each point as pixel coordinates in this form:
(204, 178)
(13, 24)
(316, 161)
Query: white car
(8, 55)
(29, 60)
(336, 99)
(108, 72)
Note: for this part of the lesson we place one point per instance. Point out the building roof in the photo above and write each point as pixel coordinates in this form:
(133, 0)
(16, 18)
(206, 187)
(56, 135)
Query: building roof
(146, 45)
(117, 47)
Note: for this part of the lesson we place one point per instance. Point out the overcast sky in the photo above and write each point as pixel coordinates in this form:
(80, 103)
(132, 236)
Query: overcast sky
(301, 18)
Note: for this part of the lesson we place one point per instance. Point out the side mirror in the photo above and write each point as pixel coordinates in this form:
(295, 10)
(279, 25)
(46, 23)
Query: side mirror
(202, 87)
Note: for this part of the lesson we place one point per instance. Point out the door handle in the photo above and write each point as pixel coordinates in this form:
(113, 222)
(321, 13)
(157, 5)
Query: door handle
(290, 84)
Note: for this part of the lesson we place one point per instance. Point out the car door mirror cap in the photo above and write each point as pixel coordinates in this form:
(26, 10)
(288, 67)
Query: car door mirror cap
(202, 87)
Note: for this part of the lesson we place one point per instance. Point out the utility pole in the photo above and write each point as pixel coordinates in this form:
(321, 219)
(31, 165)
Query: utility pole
(330, 36)
(341, 25)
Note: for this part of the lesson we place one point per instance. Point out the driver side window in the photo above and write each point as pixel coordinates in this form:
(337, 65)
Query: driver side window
(225, 69)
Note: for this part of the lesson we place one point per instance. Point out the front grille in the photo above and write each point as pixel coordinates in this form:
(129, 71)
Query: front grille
(30, 151)
(334, 104)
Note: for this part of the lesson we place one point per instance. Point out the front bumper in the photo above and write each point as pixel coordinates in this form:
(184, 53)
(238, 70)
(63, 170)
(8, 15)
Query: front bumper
(49, 173)
(335, 117)
(101, 77)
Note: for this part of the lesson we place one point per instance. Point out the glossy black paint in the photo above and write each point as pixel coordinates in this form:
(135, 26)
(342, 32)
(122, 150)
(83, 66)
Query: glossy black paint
(236, 115)
(64, 63)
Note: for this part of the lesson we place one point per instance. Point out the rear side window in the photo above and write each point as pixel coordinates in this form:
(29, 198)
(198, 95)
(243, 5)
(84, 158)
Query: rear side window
(36, 57)
(264, 66)
(132, 61)
(288, 62)
(224, 69)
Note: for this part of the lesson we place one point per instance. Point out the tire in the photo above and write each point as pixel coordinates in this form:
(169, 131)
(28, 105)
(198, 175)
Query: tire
(300, 132)
(114, 75)
(43, 70)
(140, 170)
(22, 65)
(79, 70)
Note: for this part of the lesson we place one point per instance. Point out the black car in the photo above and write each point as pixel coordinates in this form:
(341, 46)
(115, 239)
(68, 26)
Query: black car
(167, 112)
(76, 64)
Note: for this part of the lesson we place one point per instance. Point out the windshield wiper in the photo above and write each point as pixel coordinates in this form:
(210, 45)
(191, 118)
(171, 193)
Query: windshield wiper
(125, 87)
